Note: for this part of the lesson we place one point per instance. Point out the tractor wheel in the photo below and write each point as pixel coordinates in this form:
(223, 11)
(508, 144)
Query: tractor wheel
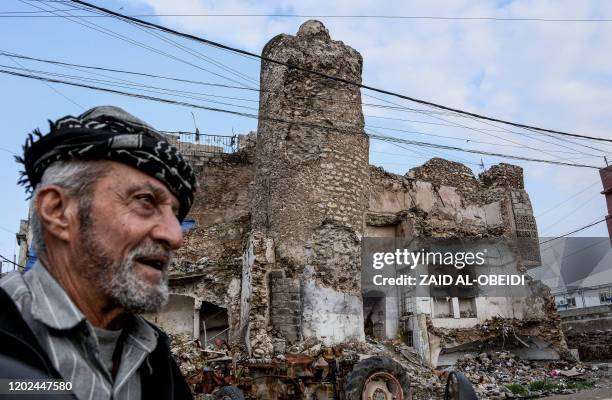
(377, 378)
(229, 393)
(458, 387)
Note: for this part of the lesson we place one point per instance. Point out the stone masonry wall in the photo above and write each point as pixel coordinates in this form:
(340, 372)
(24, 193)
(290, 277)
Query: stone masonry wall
(311, 177)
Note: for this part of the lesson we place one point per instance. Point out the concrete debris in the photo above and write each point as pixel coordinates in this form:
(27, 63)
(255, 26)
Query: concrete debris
(503, 375)
(187, 353)
(594, 345)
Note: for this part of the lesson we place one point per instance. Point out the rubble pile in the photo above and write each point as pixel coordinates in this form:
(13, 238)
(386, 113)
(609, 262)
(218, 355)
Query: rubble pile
(501, 375)
(187, 353)
(594, 345)
(443, 172)
(503, 331)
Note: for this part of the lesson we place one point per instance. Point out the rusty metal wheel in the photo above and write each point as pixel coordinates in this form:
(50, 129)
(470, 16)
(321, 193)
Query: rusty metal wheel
(377, 378)
(382, 386)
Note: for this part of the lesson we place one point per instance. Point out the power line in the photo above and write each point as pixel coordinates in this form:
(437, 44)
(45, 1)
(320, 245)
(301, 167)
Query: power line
(440, 146)
(485, 132)
(144, 88)
(187, 94)
(574, 231)
(334, 16)
(51, 87)
(72, 65)
(10, 54)
(566, 200)
(194, 53)
(254, 116)
(342, 80)
(545, 231)
(11, 262)
(116, 35)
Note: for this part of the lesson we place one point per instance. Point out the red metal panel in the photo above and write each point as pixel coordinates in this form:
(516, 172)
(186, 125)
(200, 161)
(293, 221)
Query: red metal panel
(606, 180)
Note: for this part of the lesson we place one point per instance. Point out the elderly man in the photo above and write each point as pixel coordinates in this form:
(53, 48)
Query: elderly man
(109, 193)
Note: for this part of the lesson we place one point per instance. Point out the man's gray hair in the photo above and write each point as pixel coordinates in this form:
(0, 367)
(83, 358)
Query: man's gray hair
(77, 178)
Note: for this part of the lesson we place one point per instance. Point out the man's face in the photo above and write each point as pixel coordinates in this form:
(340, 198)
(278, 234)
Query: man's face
(127, 234)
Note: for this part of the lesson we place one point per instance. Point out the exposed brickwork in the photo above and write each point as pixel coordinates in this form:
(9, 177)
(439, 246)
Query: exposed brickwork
(286, 308)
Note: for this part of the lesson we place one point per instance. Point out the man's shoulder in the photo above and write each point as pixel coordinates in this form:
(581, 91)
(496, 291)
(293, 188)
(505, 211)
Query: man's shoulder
(13, 289)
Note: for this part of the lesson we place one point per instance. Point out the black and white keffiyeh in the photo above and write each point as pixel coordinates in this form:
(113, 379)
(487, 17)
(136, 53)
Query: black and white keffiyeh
(109, 133)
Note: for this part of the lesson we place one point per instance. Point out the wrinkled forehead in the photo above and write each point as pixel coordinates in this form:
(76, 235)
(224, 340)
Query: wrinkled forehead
(129, 180)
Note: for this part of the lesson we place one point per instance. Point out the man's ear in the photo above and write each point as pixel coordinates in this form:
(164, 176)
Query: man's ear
(57, 211)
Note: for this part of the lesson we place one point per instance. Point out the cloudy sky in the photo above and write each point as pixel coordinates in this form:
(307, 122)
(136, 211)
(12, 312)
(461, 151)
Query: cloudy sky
(556, 75)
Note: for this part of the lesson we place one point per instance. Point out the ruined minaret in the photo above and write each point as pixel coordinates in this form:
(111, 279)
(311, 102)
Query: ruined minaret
(310, 186)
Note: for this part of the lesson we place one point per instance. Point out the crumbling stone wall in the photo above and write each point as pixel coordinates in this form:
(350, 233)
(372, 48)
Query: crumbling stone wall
(279, 224)
(444, 199)
(286, 306)
(310, 186)
(208, 267)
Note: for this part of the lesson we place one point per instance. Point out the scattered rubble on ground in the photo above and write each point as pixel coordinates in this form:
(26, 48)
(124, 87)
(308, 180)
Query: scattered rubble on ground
(187, 353)
(503, 375)
(494, 375)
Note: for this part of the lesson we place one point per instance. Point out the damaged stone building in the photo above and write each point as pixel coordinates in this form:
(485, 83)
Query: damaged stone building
(273, 258)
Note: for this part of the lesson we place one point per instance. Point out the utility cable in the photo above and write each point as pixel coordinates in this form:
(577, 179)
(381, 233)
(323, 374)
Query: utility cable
(566, 200)
(72, 65)
(116, 35)
(343, 16)
(324, 75)
(574, 231)
(11, 262)
(273, 119)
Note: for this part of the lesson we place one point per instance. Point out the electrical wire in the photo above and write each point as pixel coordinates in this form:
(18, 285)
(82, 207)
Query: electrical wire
(54, 62)
(324, 75)
(52, 88)
(342, 16)
(545, 231)
(11, 262)
(566, 200)
(574, 231)
(195, 53)
(111, 33)
(254, 116)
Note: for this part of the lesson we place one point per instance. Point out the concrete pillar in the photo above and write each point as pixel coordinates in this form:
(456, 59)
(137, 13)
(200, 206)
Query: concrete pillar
(196, 323)
(455, 308)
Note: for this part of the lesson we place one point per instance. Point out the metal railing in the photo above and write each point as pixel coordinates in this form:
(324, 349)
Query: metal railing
(195, 143)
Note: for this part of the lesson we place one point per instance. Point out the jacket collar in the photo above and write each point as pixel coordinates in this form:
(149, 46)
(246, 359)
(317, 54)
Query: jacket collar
(50, 303)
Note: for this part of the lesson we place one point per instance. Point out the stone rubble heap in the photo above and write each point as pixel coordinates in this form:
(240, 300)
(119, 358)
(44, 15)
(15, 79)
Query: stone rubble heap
(187, 353)
(595, 345)
(491, 373)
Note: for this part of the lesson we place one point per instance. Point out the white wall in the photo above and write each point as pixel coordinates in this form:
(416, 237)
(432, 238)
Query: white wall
(326, 312)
